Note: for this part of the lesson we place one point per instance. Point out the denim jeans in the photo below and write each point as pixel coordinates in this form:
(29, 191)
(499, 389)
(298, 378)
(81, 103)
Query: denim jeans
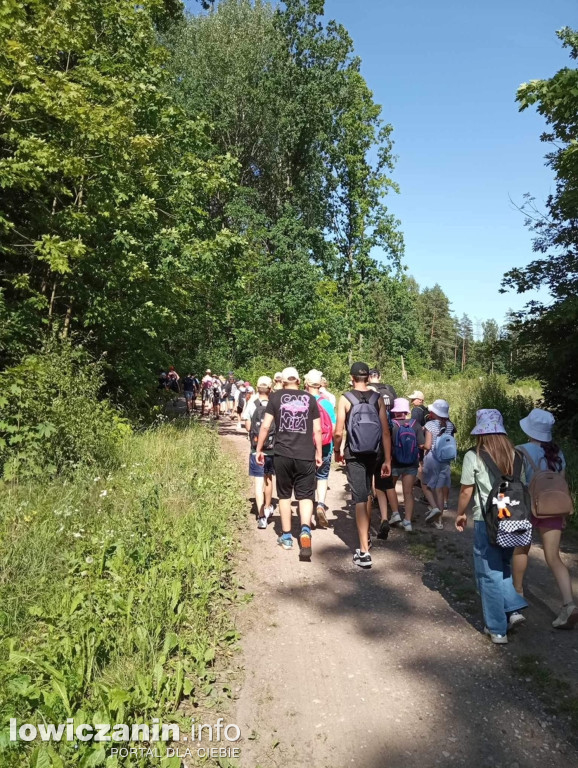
(493, 571)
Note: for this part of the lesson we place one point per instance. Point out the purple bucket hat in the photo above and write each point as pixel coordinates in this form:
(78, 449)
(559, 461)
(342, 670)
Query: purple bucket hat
(489, 421)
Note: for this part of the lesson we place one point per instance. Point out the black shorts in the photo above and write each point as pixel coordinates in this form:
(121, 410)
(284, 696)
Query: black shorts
(295, 475)
(361, 472)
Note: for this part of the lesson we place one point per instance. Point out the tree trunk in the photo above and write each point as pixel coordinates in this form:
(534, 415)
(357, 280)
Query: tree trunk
(52, 297)
(403, 371)
(67, 319)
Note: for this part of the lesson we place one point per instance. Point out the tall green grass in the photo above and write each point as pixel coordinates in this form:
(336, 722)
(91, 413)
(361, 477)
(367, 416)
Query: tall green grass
(113, 590)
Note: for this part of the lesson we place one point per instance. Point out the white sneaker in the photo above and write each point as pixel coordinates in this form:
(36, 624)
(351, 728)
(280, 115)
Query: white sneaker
(497, 639)
(567, 618)
(516, 618)
(407, 526)
(395, 518)
(262, 523)
(432, 515)
(269, 511)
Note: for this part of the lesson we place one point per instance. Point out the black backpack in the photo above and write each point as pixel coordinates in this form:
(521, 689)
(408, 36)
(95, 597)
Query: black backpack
(508, 509)
(388, 394)
(256, 421)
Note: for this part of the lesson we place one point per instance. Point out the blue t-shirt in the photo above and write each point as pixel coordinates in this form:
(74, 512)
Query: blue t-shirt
(537, 453)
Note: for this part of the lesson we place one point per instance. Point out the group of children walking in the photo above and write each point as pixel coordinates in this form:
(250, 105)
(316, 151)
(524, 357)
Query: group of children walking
(296, 433)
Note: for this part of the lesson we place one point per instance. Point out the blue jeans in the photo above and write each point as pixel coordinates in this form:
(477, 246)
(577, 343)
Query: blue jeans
(493, 571)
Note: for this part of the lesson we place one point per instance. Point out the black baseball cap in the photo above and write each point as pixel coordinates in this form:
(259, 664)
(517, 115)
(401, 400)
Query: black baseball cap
(359, 369)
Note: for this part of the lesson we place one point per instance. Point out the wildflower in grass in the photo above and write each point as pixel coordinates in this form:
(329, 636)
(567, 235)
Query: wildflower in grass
(89, 560)
(77, 535)
(96, 479)
(103, 493)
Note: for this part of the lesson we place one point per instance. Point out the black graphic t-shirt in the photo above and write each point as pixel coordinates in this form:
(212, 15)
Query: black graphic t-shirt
(294, 412)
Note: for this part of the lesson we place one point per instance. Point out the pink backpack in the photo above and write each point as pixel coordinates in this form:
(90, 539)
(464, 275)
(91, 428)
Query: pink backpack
(326, 423)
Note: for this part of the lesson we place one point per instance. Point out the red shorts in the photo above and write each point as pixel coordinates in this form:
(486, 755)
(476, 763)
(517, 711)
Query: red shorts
(555, 523)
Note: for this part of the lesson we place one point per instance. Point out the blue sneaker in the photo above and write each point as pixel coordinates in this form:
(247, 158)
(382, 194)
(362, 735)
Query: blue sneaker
(286, 543)
(305, 545)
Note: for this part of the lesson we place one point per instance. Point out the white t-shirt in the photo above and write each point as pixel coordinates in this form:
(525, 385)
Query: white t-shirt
(250, 405)
(435, 427)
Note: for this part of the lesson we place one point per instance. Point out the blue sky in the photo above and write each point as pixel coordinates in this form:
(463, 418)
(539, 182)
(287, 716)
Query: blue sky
(446, 74)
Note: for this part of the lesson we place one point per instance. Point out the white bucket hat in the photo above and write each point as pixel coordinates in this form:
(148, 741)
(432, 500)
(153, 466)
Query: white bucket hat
(441, 408)
(538, 424)
(489, 421)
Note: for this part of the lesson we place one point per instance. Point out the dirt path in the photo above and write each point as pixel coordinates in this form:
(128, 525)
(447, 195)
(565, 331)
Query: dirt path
(387, 667)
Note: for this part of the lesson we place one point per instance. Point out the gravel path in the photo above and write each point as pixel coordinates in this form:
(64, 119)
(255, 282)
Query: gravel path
(387, 668)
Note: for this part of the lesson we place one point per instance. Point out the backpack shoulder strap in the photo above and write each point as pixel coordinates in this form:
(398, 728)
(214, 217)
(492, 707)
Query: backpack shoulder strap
(374, 398)
(491, 465)
(518, 466)
(350, 397)
(527, 456)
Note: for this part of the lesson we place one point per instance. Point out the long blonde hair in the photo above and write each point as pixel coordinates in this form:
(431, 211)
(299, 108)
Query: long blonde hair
(501, 450)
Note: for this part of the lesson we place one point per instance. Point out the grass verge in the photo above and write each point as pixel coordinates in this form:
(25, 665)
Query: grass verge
(114, 592)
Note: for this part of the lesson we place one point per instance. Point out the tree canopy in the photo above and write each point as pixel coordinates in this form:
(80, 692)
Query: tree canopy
(203, 188)
(548, 331)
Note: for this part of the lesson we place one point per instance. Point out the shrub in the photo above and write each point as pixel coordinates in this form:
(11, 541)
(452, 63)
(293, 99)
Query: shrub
(51, 416)
(491, 393)
(115, 590)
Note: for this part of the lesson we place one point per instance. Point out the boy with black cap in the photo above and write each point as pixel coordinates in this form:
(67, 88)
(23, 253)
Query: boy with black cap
(362, 412)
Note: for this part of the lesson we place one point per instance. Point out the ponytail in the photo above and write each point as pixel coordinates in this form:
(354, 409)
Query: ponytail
(552, 456)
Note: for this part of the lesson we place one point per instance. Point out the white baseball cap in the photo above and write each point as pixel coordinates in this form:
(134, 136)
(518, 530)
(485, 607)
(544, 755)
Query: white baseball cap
(290, 373)
(313, 378)
(264, 381)
(278, 376)
(417, 395)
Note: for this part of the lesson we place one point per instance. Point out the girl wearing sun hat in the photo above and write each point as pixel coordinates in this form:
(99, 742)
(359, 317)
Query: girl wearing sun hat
(436, 475)
(543, 452)
(500, 601)
(405, 469)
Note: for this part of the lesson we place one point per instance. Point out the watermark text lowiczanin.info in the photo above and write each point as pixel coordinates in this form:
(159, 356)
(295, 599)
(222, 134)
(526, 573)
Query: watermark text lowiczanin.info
(218, 732)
